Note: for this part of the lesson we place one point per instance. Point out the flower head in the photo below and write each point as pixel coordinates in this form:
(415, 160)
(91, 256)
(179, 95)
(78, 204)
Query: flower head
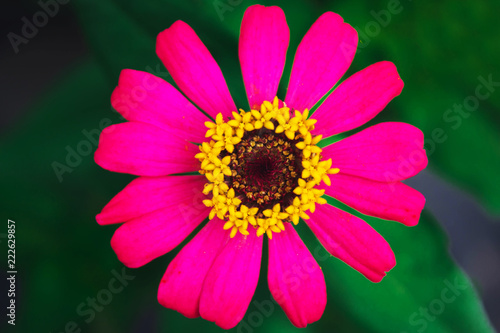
(261, 169)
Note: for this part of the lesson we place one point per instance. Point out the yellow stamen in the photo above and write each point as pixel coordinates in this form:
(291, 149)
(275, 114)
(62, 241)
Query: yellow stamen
(216, 161)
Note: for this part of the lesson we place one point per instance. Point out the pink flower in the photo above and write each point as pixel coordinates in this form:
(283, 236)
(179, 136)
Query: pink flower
(261, 169)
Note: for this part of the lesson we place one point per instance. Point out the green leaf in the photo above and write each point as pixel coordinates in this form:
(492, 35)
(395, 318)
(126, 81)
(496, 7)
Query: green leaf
(425, 292)
(441, 60)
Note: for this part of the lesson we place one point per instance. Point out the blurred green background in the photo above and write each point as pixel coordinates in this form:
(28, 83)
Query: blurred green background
(56, 87)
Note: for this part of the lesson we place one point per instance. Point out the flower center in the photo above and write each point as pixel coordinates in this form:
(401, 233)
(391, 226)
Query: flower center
(266, 167)
(262, 167)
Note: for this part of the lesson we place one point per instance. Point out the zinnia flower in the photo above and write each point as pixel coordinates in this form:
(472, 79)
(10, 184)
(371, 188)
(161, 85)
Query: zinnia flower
(255, 172)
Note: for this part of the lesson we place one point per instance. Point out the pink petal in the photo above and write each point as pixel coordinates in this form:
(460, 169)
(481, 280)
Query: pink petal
(353, 241)
(323, 56)
(149, 236)
(143, 97)
(144, 150)
(386, 152)
(263, 44)
(391, 201)
(194, 69)
(358, 99)
(295, 278)
(181, 286)
(145, 195)
(231, 281)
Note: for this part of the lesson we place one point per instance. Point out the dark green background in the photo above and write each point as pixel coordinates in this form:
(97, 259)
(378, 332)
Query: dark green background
(58, 86)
